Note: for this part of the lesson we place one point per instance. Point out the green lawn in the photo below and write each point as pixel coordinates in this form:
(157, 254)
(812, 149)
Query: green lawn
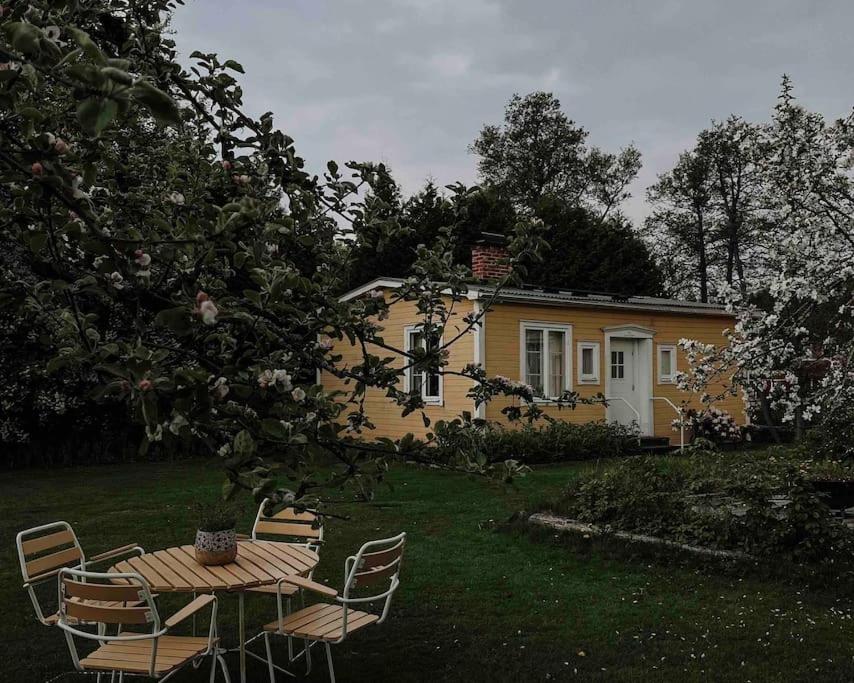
(476, 604)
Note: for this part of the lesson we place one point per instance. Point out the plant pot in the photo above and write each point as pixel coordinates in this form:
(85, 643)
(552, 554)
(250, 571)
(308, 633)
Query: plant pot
(216, 547)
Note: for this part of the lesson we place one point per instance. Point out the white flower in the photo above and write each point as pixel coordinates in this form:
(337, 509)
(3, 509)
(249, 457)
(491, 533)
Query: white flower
(176, 198)
(117, 280)
(265, 379)
(325, 344)
(298, 395)
(220, 388)
(376, 294)
(208, 311)
(154, 435)
(177, 423)
(283, 379)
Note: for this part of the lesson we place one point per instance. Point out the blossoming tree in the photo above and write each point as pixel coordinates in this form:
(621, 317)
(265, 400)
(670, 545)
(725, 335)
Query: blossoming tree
(179, 250)
(793, 345)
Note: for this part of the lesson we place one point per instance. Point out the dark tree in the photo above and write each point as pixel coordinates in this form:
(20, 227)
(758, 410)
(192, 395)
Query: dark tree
(539, 152)
(591, 254)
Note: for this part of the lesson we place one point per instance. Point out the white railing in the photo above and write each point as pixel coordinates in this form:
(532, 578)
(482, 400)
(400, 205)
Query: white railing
(679, 415)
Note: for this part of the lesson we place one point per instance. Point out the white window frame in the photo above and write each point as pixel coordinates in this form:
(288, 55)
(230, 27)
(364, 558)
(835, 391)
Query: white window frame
(547, 327)
(672, 349)
(439, 400)
(593, 378)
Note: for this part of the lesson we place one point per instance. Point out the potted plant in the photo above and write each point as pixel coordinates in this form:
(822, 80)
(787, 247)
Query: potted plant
(216, 539)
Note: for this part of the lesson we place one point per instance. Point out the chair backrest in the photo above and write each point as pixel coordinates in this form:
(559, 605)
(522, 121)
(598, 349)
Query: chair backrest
(299, 527)
(79, 589)
(377, 564)
(42, 551)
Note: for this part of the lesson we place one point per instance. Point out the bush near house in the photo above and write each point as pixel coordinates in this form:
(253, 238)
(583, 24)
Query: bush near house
(554, 441)
(763, 505)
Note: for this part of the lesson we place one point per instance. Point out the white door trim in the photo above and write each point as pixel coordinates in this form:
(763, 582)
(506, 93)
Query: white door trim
(644, 336)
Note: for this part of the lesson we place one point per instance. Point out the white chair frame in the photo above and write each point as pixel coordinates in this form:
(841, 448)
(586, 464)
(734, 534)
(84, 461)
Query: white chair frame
(283, 602)
(353, 568)
(30, 582)
(158, 629)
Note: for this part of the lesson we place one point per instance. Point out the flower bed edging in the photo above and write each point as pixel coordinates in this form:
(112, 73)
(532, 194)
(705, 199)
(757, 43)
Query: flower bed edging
(574, 526)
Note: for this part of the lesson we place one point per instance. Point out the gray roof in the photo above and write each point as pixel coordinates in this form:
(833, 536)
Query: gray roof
(566, 297)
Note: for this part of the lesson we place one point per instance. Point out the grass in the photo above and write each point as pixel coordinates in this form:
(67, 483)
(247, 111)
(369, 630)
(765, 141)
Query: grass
(476, 604)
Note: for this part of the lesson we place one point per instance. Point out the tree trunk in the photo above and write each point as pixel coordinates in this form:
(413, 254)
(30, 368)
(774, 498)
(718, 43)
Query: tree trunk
(766, 415)
(703, 265)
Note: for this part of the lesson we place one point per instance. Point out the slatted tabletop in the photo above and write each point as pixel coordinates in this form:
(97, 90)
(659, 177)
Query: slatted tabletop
(258, 563)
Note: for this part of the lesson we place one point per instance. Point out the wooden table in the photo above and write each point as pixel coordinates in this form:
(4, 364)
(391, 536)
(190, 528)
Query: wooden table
(258, 563)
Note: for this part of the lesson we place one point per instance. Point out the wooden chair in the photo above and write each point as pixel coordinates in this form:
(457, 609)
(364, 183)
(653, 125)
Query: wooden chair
(298, 528)
(44, 550)
(152, 652)
(377, 562)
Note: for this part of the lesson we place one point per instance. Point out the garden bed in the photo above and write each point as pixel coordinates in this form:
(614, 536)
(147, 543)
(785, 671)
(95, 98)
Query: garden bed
(766, 504)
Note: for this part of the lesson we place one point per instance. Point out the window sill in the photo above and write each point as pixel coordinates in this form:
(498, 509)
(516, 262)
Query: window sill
(433, 402)
(589, 381)
(670, 382)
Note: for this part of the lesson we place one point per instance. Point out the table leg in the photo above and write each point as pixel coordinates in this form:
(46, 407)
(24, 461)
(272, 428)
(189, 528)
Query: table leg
(241, 626)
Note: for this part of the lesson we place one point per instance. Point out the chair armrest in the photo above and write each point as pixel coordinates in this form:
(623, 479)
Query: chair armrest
(189, 609)
(310, 585)
(116, 552)
(243, 537)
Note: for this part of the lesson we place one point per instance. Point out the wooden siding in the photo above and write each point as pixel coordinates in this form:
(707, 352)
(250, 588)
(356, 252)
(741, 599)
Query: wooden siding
(503, 353)
(384, 413)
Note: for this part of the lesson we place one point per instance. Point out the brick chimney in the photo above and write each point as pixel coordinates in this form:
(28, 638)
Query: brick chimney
(489, 257)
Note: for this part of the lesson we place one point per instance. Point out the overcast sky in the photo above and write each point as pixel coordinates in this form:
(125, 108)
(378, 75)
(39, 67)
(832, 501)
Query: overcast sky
(411, 82)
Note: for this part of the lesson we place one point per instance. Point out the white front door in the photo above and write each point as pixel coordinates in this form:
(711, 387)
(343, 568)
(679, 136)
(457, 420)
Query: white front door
(623, 379)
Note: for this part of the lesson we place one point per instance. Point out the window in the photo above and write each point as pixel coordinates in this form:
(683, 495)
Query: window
(588, 362)
(618, 365)
(429, 385)
(545, 358)
(666, 363)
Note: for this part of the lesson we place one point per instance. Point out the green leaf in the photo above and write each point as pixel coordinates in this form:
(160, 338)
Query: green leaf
(244, 445)
(176, 319)
(234, 66)
(95, 113)
(23, 36)
(89, 48)
(117, 75)
(37, 241)
(162, 107)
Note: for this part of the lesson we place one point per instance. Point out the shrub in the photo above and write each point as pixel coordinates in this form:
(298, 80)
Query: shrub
(761, 505)
(555, 441)
(711, 423)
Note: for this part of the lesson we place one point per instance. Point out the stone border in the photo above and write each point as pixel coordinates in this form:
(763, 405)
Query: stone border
(574, 526)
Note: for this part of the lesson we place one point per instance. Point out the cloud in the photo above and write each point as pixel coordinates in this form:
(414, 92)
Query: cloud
(411, 82)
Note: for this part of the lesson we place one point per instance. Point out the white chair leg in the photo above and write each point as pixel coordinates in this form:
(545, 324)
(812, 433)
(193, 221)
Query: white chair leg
(329, 662)
(290, 640)
(270, 658)
(224, 668)
(213, 669)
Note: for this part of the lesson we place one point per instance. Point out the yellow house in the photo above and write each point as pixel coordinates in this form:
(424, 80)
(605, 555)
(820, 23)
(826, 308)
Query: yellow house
(554, 340)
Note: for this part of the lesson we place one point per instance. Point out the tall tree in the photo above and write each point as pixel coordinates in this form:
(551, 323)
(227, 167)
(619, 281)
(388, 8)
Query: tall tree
(681, 220)
(539, 152)
(794, 342)
(419, 220)
(707, 221)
